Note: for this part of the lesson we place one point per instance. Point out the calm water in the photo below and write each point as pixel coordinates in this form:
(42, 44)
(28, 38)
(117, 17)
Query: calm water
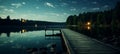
(30, 42)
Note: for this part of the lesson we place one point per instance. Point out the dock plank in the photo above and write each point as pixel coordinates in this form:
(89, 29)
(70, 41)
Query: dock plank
(82, 44)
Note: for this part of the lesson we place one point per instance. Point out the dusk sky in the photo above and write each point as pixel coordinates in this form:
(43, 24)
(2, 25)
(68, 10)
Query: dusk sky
(51, 10)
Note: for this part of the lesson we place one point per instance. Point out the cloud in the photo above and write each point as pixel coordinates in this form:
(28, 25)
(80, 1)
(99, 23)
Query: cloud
(17, 5)
(2, 7)
(94, 2)
(23, 3)
(83, 8)
(95, 8)
(66, 14)
(43, 17)
(37, 7)
(74, 2)
(57, 14)
(8, 11)
(73, 9)
(64, 4)
(49, 4)
(53, 14)
(105, 6)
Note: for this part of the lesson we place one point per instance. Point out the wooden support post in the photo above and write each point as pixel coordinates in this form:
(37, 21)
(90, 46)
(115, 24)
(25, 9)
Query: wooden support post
(45, 32)
(53, 32)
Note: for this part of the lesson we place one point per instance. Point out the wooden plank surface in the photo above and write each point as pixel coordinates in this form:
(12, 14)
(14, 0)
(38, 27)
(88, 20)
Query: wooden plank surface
(81, 44)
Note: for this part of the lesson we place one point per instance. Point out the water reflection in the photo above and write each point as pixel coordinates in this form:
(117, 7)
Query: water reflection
(30, 41)
(88, 27)
(50, 48)
(8, 30)
(23, 30)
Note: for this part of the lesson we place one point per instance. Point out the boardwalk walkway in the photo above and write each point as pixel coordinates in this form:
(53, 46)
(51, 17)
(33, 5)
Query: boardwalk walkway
(80, 44)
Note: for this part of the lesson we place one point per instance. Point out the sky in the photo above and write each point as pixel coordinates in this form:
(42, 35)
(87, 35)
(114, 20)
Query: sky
(51, 10)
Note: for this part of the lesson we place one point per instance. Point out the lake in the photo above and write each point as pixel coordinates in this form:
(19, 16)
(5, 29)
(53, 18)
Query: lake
(31, 42)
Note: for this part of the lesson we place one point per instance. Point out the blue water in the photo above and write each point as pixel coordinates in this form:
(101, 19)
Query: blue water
(22, 43)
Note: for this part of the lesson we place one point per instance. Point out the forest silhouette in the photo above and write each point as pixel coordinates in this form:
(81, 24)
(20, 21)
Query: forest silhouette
(102, 25)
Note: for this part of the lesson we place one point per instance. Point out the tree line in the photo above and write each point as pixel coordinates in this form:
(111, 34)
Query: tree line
(23, 22)
(109, 18)
(8, 22)
(103, 25)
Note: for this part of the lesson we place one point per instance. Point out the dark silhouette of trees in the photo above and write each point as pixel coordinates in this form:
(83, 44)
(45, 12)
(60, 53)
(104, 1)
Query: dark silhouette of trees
(0, 18)
(105, 25)
(27, 23)
(8, 17)
(100, 19)
(69, 20)
(9, 22)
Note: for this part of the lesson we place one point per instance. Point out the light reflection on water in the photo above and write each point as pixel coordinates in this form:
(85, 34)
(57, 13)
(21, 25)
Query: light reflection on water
(17, 43)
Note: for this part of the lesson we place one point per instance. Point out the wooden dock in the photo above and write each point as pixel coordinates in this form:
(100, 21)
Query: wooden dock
(77, 43)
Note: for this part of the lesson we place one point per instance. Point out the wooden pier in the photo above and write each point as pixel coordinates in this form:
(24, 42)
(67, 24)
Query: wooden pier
(77, 43)
(52, 32)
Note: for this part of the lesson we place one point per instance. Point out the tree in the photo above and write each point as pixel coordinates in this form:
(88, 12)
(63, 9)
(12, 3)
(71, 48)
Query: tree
(74, 20)
(0, 18)
(8, 17)
(69, 20)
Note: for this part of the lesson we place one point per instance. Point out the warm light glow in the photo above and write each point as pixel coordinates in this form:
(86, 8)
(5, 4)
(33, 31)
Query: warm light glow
(88, 27)
(23, 20)
(23, 30)
(88, 23)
